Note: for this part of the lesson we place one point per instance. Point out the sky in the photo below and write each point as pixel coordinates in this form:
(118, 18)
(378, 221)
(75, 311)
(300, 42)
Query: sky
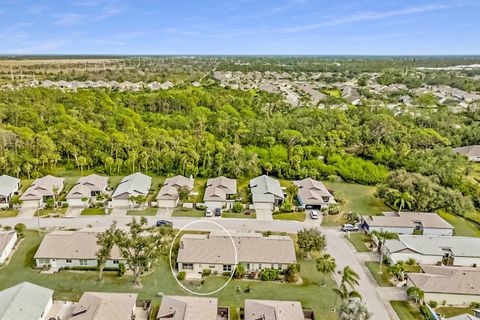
(263, 27)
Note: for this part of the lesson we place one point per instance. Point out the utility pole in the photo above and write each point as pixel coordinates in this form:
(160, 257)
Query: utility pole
(38, 218)
(382, 243)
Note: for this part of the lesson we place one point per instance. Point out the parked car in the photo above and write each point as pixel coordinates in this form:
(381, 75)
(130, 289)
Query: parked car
(314, 214)
(209, 213)
(349, 227)
(161, 223)
(218, 212)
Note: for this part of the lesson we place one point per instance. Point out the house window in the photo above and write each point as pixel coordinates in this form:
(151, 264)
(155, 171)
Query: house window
(83, 262)
(211, 267)
(115, 261)
(188, 266)
(43, 261)
(279, 267)
(69, 260)
(227, 268)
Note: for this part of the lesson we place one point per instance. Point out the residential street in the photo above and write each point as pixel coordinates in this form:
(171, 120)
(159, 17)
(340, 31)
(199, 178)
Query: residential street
(375, 297)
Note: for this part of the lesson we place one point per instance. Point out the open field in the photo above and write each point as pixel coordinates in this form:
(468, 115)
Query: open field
(70, 284)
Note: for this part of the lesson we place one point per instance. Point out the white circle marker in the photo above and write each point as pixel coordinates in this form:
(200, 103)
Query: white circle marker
(231, 273)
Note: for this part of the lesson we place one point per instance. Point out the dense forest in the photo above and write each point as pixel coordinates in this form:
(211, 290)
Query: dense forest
(209, 131)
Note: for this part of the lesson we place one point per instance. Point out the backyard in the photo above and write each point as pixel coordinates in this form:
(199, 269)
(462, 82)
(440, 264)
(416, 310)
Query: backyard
(463, 227)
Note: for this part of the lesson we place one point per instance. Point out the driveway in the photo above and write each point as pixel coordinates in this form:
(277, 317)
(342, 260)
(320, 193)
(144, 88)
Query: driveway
(164, 213)
(119, 212)
(73, 212)
(26, 212)
(264, 214)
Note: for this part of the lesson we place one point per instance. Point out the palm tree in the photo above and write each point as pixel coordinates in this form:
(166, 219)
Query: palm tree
(16, 202)
(292, 190)
(350, 277)
(326, 265)
(402, 200)
(415, 294)
(353, 309)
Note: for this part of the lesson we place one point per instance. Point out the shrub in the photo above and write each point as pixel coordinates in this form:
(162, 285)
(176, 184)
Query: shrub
(20, 228)
(286, 206)
(206, 272)
(270, 275)
(433, 304)
(7, 228)
(200, 207)
(227, 274)
(121, 269)
(239, 272)
(474, 305)
(292, 273)
(237, 207)
(181, 275)
(65, 205)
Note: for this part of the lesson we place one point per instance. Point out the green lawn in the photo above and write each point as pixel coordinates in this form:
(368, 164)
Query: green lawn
(94, 212)
(239, 215)
(199, 187)
(463, 227)
(186, 212)
(381, 278)
(146, 212)
(50, 212)
(358, 239)
(296, 216)
(8, 213)
(406, 311)
(449, 312)
(70, 284)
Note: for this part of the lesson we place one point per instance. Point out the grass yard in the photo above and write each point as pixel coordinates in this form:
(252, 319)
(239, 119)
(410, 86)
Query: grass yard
(463, 227)
(406, 311)
(8, 213)
(187, 212)
(358, 239)
(94, 212)
(239, 215)
(449, 312)
(71, 284)
(146, 212)
(295, 216)
(383, 279)
(50, 212)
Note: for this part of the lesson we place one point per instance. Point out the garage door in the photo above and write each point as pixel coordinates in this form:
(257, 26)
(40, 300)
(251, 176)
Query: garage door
(30, 204)
(263, 206)
(120, 203)
(76, 203)
(213, 204)
(167, 203)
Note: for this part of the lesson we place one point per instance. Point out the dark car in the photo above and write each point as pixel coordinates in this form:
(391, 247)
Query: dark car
(218, 212)
(161, 223)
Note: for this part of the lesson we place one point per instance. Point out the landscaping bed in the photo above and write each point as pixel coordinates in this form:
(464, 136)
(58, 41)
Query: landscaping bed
(8, 213)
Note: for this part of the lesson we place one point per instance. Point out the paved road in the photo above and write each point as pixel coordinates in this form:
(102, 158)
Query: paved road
(375, 297)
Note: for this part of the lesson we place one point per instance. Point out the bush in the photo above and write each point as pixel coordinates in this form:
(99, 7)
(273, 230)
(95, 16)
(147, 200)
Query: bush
(200, 207)
(433, 304)
(239, 272)
(7, 228)
(206, 272)
(270, 275)
(20, 228)
(474, 305)
(227, 274)
(237, 207)
(292, 273)
(181, 275)
(286, 206)
(121, 269)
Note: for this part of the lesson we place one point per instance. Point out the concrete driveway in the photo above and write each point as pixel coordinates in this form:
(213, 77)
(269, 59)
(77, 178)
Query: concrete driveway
(264, 215)
(164, 213)
(73, 212)
(26, 212)
(119, 212)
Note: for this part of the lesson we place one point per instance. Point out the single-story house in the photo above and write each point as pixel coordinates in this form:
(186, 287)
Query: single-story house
(464, 316)
(215, 251)
(168, 195)
(426, 223)
(8, 239)
(41, 190)
(188, 308)
(218, 192)
(313, 194)
(457, 286)
(86, 187)
(60, 249)
(266, 193)
(471, 152)
(105, 306)
(275, 310)
(25, 301)
(8, 188)
(133, 185)
(430, 250)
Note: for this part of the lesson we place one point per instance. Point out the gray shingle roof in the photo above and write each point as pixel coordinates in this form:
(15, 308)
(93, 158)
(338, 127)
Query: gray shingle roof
(408, 220)
(219, 188)
(43, 187)
(134, 184)
(25, 301)
(469, 151)
(85, 186)
(8, 185)
(265, 189)
(104, 306)
(169, 189)
(433, 245)
(273, 310)
(5, 238)
(312, 192)
(188, 308)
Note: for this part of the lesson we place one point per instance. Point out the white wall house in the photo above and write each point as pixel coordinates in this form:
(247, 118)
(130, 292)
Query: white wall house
(219, 191)
(62, 249)
(471, 152)
(42, 189)
(87, 188)
(430, 250)
(266, 193)
(313, 194)
(8, 239)
(168, 195)
(25, 301)
(105, 306)
(185, 307)
(216, 252)
(8, 188)
(133, 185)
(426, 223)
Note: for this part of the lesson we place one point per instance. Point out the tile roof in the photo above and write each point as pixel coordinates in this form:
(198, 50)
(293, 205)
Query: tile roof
(273, 310)
(14, 306)
(265, 189)
(188, 308)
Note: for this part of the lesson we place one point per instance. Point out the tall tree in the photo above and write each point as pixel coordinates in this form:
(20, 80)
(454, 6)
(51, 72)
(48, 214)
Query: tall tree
(106, 241)
(354, 309)
(311, 240)
(292, 191)
(326, 265)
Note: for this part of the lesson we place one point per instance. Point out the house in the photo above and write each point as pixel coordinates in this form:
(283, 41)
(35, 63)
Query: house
(105, 306)
(471, 152)
(191, 308)
(464, 316)
(137, 184)
(168, 195)
(275, 310)
(426, 223)
(457, 286)
(215, 251)
(8, 188)
(8, 239)
(86, 188)
(430, 250)
(60, 249)
(266, 193)
(313, 194)
(41, 190)
(25, 301)
(219, 191)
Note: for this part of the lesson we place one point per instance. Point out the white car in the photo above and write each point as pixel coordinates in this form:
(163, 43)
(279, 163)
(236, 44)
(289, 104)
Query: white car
(314, 214)
(209, 213)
